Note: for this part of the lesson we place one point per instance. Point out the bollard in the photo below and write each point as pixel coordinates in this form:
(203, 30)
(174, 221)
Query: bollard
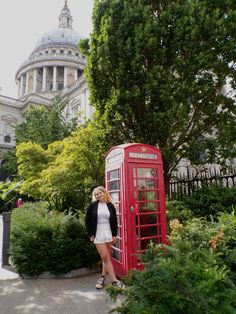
(6, 218)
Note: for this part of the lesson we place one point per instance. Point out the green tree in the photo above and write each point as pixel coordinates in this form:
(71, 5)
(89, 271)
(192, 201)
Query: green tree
(32, 159)
(42, 125)
(66, 171)
(157, 72)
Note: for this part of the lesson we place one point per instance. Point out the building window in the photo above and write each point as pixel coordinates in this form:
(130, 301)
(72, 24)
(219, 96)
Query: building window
(46, 51)
(77, 54)
(54, 51)
(7, 139)
(60, 86)
(69, 53)
(61, 51)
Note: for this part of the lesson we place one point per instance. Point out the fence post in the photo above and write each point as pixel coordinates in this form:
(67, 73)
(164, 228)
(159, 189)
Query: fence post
(6, 218)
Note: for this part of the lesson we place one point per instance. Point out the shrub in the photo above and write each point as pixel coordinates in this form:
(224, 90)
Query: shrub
(188, 276)
(48, 241)
(177, 210)
(211, 200)
(228, 251)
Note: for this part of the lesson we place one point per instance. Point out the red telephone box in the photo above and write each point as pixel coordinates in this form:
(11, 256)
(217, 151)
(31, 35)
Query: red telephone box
(134, 179)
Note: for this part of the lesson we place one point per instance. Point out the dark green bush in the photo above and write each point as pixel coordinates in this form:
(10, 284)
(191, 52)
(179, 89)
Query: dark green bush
(48, 241)
(177, 210)
(228, 250)
(189, 276)
(212, 200)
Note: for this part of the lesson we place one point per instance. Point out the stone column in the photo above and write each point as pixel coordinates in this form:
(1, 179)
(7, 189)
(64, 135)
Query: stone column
(27, 83)
(65, 77)
(21, 85)
(44, 79)
(54, 88)
(18, 85)
(76, 74)
(35, 81)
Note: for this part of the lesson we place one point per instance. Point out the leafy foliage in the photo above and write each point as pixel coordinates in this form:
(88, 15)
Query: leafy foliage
(189, 276)
(157, 72)
(178, 210)
(42, 125)
(9, 193)
(212, 200)
(65, 172)
(48, 241)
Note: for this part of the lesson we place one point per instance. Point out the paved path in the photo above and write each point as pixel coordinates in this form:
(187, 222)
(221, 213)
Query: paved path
(51, 296)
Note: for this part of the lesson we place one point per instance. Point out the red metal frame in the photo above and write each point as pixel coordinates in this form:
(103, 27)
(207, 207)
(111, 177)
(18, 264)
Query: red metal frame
(134, 178)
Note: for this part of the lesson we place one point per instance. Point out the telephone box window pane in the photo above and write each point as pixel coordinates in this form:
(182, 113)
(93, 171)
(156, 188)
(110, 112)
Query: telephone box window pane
(151, 195)
(147, 207)
(151, 206)
(117, 244)
(115, 197)
(143, 207)
(113, 185)
(149, 231)
(150, 219)
(146, 172)
(116, 255)
(114, 174)
(147, 195)
(146, 184)
(119, 232)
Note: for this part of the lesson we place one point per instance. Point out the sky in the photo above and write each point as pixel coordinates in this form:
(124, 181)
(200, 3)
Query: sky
(23, 22)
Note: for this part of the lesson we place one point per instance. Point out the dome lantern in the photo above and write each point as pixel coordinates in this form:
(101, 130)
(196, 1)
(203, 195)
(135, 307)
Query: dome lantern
(65, 18)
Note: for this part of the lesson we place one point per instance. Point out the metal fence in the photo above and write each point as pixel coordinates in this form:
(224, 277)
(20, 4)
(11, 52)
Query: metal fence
(183, 185)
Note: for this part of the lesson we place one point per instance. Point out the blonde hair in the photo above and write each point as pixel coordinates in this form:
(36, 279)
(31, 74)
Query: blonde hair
(108, 198)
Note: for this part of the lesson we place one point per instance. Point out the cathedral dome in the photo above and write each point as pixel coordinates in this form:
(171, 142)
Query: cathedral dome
(59, 36)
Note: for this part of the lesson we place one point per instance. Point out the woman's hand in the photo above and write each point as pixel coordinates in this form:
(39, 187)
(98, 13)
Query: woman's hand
(113, 240)
(92, 238)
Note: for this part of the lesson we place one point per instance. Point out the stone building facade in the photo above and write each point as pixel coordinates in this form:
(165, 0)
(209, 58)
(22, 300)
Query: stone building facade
(55, 67)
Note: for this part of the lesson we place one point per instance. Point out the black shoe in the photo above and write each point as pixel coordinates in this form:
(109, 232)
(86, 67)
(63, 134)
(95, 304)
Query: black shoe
(100, 283)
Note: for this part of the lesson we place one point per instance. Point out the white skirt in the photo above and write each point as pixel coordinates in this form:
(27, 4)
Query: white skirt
(103, 234)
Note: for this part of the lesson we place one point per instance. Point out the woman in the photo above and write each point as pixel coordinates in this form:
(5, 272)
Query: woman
(101, 224)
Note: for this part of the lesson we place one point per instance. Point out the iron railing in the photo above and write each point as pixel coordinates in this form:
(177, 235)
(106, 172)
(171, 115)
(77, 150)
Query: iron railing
(182, 185)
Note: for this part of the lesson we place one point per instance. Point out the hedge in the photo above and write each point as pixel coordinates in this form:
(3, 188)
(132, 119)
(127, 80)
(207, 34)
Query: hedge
(48, 241)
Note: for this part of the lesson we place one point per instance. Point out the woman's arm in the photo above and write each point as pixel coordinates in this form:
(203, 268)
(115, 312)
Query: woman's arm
(88, 222)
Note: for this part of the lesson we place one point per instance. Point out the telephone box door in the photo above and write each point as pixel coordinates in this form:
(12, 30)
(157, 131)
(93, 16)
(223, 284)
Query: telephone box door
(146, 217)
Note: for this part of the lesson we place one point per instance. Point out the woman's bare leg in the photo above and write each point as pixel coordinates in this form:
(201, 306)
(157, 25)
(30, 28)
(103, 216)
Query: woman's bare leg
(104, 252)
(104, 270)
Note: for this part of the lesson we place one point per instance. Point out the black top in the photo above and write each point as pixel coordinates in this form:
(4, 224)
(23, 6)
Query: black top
(91, 219)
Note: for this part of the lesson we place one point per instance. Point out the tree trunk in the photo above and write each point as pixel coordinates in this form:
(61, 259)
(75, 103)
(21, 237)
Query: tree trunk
(167, 184)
